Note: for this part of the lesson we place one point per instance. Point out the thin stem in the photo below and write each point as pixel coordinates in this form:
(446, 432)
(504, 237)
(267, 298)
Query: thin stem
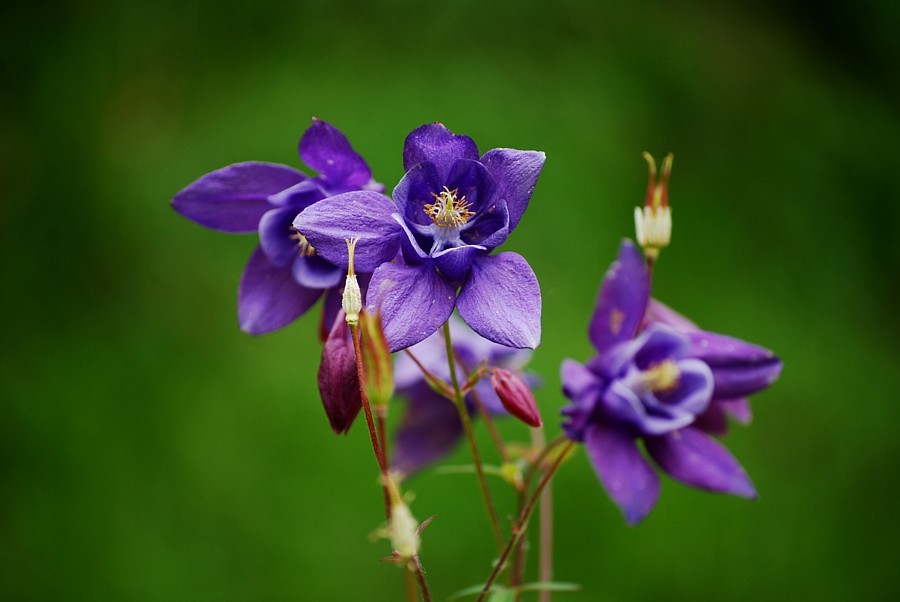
(411, 595)
(522, 525)
(535, 464)
(545, 516)
(420, 575)
(376, 446)
(381, 427)
(473, 444)
(491, 427)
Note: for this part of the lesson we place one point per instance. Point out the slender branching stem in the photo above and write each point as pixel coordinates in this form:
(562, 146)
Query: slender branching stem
(420, 575)
(411, 594)
(522, 524)
(473, 444)
(367, 408)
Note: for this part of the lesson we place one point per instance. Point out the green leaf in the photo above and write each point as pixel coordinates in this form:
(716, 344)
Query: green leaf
(477, 589)
(550, 586)
(502, 595)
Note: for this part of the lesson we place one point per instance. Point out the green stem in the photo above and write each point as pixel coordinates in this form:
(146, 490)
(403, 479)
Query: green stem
(473, 444)
(522, 525)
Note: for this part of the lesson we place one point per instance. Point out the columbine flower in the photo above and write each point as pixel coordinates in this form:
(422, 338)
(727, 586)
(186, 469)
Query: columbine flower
(653, 385)
(284, 276)
(448, 213)
(431, 427)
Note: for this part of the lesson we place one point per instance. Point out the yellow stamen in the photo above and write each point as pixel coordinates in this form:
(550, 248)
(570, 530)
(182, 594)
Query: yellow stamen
(447, 211)
(662, 377)
(303, 246)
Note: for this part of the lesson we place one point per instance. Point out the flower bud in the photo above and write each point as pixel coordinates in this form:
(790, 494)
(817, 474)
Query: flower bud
(338, 381)
(653, 223)
(376, 360)
(352, 298)
(516, 396)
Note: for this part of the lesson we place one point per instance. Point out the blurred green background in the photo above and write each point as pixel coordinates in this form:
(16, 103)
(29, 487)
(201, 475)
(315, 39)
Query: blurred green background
(151, 451)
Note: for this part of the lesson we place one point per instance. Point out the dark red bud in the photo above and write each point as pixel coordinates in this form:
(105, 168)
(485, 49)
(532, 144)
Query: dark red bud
(338, 381)
(516, 397)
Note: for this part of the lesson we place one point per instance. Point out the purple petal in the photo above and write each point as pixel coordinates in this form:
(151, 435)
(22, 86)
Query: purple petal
(627, 477)
(233, 199)
(516, 173)
(739, 409)
(364, 214)
(693, 391)
(659, 312)
(415, 301)
(455, 263)
(314, 272)
(713, 421)
(268, 297)
(623, 405)
(430, 430)
(324, 148)
(276, 229)
(490, 227)
(622, 301)
(415, 190)
(577, 379)
(471, 180)
(409, 244)
(501, 301)
(299, 196)
(739, 368)
(657, 344)
(433, 143)
(696, 459)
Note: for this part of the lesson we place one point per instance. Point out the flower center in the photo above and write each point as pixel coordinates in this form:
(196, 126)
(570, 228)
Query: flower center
(661, 377)
(447, 211)
(303, 247)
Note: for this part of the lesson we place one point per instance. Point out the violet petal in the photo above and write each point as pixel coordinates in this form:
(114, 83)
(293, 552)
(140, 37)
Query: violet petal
(324, 148)
(739, 368)
(516, 173)
(414, 300)
(314, 272)
(472, 182)
(434, 143)
(430, 429)
(501, 301)
(696, 459)
(454, 263)
(233, 199)
(415, 190)
(627, 477)
(276, 229)
(268, 296)
(364, 214)
(622, 301)
(490, 227)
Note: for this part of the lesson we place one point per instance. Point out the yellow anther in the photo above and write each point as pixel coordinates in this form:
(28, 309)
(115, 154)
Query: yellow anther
(303, 246)
(447, 211)
(662, 377)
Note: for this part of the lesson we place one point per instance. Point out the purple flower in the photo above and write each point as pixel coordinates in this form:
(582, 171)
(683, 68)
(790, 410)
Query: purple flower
(431, 427)
(284, 276)
(655, 385)
(448, 213)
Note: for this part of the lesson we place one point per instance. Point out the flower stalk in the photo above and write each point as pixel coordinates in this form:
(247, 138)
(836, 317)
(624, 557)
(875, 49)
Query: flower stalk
(473, 444)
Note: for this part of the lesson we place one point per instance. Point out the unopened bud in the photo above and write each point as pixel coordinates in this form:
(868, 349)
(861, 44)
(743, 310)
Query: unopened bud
(338, 380)
(516, 396)
(376, 360)
(352, 298)
(653, 222)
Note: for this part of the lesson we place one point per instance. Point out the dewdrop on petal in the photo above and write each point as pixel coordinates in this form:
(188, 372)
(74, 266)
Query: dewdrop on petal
(352, 298)
(653, 222)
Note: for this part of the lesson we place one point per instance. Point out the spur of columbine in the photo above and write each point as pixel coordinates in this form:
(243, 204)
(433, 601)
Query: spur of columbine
(284, 276)
(651, 382)
(430, 245)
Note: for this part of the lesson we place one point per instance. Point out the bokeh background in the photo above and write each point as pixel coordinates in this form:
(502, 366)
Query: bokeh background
(151, 451)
